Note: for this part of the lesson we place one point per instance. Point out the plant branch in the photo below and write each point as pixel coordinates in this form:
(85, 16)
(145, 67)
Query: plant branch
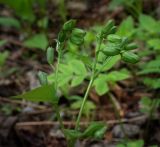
(89, 85)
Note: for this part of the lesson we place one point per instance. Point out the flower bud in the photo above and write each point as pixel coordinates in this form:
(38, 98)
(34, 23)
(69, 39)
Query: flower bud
(42, 78)
(76, 40)
(124, 42)
(77, 36)
(111, 51)
(78, 32)
(114, 38)
(112, 30)
(130, 57)
(131, 46)
(108, 27)
(50, 55)
(62, 36)
(69, 25)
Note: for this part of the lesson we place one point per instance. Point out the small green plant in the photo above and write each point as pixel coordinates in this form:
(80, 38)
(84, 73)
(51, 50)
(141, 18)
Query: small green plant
(62, 10)
(134, 7)
(136, 143)
(109, 45)
(3, 57)
(149, 106)
(25, 18)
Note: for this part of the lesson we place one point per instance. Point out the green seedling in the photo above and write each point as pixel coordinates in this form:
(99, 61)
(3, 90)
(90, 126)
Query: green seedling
(108, 45)
(134, 7)
(3, 57)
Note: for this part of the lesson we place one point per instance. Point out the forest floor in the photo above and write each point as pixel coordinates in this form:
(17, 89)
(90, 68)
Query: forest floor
(26, 124)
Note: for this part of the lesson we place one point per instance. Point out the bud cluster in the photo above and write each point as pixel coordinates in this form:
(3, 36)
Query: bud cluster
(118, 45)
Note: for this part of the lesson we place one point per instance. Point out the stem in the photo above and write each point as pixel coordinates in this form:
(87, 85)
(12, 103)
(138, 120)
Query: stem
(56, 88)
(152, 110)
(83, 103)
(89, 85)
(59, 116)
(104, 64)
(118, 116)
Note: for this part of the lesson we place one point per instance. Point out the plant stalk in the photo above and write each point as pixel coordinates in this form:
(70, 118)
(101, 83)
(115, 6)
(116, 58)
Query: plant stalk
(56, 88)
(89, 85)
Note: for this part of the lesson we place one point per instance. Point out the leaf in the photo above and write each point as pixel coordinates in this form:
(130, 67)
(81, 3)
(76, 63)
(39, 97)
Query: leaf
(3, 42)
(126, 28)
(145, 104)
(3, 57)
(152, 83)
(115, 3)
(23, 8)
(43, 23)
(115, 76)
(87, 107)
(72, 134)
(64, 79)
(154, 43)
(77, 80)
(110, 63)
(92, 129)
(78, 67)
(86, 59)
(150, 67)
(137, 143)
(37, 41)
(101, 85)
(149, 24)
(10, 22)
(100, 133)
(44, 93)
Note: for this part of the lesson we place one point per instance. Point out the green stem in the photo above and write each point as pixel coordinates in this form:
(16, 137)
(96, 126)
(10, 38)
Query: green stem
(89, 85)
(104, 64)
(83, 103)
(56, 88)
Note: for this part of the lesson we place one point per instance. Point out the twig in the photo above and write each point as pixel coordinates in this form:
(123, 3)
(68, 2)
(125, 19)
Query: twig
(69, 123)
(17, 102)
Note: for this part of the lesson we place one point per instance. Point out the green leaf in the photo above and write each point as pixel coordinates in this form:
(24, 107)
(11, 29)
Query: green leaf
(78, 67)
(44, 93)
(37, 41)
(3, 57)
(145, 104)
(42, 78)
(64, 79)
(110, 63)
(115, 76)
(149, 24)
(126, 28)
(3, 42)
(87, 107)
(150, 67)
(154, 43)
(72, 134)
(101, 85)
(137, 143)
(100, 133)
(115, 3)
(10, 22)
(77, 80)
(93, 129)
(22, 8)
(153, 83)
(43, 23)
